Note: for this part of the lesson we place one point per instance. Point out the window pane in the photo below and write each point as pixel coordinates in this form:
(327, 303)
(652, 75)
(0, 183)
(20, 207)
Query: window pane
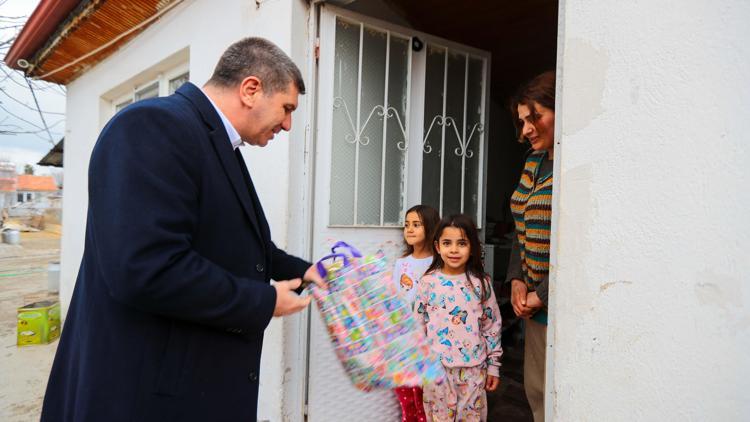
(346, 59)
(433, 126)
(371, 127)
(396, 142)
(461, 135)
(122, 105)
(150, 91)
(475, 136)
(177, 82)
(453, 159)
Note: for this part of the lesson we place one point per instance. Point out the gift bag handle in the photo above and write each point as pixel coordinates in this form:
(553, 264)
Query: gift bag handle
(322, 269)
(352, 250)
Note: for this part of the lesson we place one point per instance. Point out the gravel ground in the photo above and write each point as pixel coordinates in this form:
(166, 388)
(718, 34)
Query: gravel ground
(23, 280)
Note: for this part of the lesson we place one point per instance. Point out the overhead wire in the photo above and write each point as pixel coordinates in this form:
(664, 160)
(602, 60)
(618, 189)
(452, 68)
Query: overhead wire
(41, 115)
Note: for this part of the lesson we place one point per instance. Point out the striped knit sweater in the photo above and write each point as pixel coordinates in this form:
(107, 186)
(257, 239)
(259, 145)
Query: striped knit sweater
(531, 206)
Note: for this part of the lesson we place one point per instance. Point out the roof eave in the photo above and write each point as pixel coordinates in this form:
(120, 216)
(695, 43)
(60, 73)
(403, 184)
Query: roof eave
(41, 25)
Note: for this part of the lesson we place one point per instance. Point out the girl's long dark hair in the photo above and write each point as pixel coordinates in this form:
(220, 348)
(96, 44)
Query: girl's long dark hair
(430, 219)
(474, 266)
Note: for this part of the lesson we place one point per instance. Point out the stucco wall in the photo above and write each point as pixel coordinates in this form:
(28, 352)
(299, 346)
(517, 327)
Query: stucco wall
(206, 30)
(650, 315)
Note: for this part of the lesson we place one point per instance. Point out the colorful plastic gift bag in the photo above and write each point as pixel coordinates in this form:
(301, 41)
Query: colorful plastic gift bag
(372, 328)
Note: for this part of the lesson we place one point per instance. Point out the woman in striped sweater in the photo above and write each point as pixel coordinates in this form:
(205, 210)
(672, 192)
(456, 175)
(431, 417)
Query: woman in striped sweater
(533, 108)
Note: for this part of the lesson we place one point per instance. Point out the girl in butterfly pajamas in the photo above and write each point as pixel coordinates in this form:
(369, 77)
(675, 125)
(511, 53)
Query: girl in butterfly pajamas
(456, 306)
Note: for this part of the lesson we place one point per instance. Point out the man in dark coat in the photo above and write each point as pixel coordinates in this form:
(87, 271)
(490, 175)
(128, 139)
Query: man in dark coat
(174, 293)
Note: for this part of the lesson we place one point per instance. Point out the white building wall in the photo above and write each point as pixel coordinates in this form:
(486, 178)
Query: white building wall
(651, 312)
(206, 29)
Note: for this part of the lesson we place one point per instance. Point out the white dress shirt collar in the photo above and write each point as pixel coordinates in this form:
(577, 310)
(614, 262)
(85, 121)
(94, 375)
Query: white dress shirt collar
(234, 136)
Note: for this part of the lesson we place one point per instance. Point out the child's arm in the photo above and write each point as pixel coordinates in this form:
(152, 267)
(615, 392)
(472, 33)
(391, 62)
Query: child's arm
(491, 327)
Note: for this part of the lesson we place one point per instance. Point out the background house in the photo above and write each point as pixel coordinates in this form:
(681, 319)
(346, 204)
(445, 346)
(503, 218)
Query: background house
(25, 188)
(38, 201)
(37, 189)
(649, 301)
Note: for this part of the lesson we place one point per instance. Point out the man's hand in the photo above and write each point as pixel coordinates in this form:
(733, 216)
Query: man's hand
(492, 383)
(287, 301)
(311, 275)
(518, 298)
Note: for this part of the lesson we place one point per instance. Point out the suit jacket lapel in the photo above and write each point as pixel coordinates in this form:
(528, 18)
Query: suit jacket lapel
(261, 216)
(234, 173)
(223, 149)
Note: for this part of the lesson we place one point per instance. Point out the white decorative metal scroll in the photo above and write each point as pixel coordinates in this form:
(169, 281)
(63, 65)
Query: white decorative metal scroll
(357, 137)
(463, 149)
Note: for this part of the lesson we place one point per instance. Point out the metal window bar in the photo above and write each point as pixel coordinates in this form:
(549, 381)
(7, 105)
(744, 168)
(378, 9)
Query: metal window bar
(359, 102)
(442, 141)
(463, 137)
(407, 117)
(480, 162)
(385, 125)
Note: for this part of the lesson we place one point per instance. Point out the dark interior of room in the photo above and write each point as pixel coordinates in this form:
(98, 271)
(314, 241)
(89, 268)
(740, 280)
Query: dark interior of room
(522, 38)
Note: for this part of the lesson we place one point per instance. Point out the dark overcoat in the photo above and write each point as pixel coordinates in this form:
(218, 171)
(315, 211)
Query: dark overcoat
(172, 296)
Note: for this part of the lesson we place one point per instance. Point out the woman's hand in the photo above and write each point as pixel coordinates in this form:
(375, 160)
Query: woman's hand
(519, 297)
(533, 301)
(492, 383)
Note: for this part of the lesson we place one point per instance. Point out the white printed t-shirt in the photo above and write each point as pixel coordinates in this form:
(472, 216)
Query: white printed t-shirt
(406, 274)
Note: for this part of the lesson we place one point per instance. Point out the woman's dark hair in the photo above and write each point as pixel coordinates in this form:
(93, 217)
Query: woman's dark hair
(474, 266)
(430, 219)
(540, 90)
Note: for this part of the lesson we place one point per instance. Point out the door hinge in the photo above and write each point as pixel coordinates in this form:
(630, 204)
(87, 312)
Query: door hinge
(317, 49)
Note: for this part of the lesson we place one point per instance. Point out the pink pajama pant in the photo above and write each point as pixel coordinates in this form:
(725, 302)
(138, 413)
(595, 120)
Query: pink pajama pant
(461, 397)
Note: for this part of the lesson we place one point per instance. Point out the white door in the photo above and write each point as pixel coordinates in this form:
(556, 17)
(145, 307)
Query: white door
(397, 125)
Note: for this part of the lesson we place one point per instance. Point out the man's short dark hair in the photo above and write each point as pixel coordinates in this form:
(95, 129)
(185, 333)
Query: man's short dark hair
(261, 58)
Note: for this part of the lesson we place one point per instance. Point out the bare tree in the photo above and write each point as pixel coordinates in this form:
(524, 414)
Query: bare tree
(12, 82)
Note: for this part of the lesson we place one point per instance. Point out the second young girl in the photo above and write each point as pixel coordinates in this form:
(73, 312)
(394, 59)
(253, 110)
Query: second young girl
(457, 307)
(419, 225)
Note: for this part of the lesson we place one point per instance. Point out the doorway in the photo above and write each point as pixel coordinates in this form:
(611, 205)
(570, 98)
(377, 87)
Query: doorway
(366, 182)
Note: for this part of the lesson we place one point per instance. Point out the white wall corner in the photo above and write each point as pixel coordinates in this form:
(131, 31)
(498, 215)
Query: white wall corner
(650, 312)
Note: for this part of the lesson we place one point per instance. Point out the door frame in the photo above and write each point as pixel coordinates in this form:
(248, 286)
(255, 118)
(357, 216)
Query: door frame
(315, 127)
(297, 339)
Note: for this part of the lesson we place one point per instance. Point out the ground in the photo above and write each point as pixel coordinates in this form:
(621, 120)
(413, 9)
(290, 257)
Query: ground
(23, 280)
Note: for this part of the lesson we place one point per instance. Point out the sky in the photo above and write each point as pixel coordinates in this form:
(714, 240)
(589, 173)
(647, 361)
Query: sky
(18, 112)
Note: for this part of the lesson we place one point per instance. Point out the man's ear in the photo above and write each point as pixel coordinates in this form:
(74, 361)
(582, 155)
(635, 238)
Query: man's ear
(250, 89)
